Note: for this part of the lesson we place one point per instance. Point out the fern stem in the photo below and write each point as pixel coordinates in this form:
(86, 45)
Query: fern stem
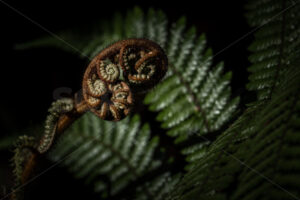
(68, 118)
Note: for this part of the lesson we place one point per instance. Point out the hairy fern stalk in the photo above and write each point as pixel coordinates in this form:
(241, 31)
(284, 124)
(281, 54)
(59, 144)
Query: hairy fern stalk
(257, 157)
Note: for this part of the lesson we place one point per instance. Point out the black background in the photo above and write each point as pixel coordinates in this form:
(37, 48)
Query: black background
(29, 78)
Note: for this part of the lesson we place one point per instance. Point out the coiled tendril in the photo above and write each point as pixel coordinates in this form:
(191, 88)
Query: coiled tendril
(116, 73)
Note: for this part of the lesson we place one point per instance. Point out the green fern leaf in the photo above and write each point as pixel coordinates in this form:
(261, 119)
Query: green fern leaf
(191, 99)
(256, 158)
(275, 43)
(121, 151)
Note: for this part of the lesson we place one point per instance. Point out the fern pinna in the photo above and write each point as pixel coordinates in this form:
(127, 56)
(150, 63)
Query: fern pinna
(275, 42)
(122, 151)
(257, 157)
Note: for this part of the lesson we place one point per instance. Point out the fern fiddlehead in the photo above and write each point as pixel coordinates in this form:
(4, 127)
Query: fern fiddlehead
(109, 84)
(117, 72)
(110, 81)
(108, 100)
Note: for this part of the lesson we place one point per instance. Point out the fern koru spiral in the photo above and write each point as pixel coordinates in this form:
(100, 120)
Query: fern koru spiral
(109, 85)
(116, 73)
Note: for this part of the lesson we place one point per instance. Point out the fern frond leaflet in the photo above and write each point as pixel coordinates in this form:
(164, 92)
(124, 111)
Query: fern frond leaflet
(194, 98)
(281, 48)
